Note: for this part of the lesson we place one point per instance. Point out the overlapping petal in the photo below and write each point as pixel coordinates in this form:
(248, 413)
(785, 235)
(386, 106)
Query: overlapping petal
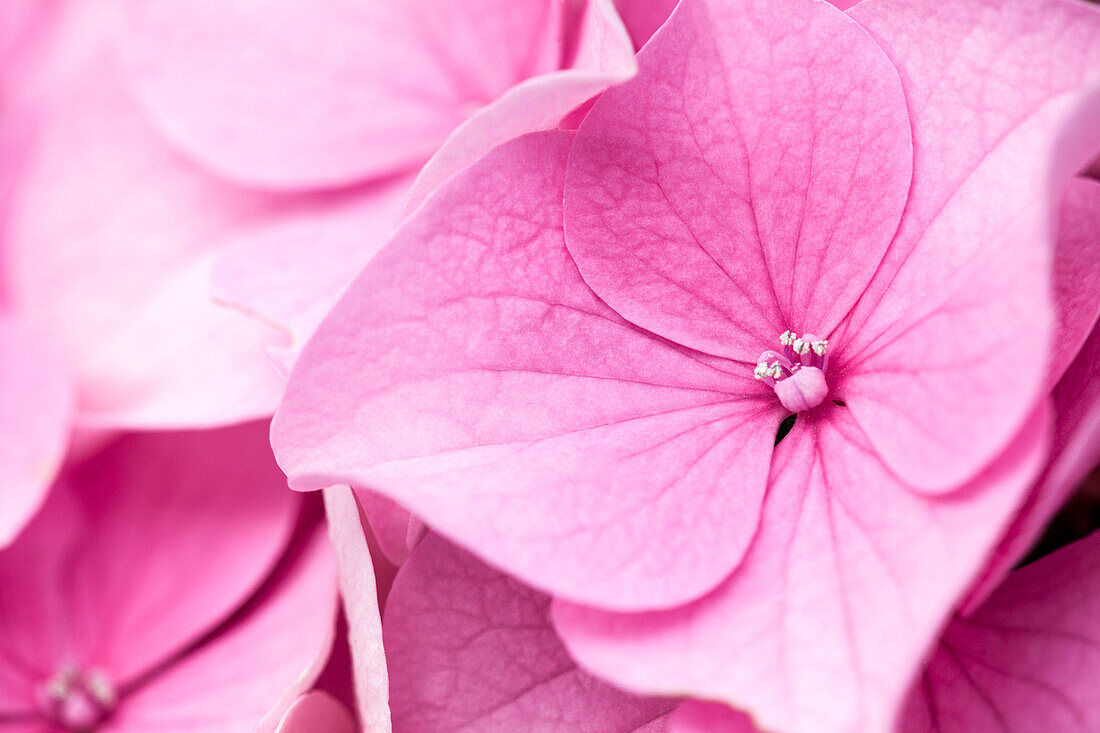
(1026, 661)
(470, 374)
(824, 623)
(247, 676)
(643, 17)
(137, 553)
(472, 649)
(305, 93)
(1076, 444)
(965, 282)
(702, 717)
(291, 269)
(721, 197)
(112, 242)
(604, 57)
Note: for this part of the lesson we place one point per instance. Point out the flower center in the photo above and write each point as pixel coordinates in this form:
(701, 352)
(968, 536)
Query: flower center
(798, 373)
(77, 700)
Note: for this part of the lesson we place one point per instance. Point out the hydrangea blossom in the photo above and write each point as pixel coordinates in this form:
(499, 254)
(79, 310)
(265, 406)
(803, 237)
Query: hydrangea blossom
(588, 395)
(148, 594)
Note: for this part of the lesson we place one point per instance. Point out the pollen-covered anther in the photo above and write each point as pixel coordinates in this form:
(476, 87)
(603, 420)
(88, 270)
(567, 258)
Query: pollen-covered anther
(764, 370)
(787, 338)
(820, 346)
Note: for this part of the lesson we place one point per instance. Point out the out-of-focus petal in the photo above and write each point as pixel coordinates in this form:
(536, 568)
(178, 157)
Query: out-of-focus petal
(247, 675)
(1076, 446)
(604, 58)
(643, 17)
(141, 550)
(1027, 661)
(112, 242)
(37, 401)
(326, 92)
(291, 271)
(708, 717)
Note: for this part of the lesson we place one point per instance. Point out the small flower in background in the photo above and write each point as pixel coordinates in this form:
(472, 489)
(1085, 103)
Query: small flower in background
(170, 583)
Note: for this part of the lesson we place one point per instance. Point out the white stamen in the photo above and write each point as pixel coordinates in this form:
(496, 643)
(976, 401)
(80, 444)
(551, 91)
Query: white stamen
(787, 338)
(800, 347)
(764, 370)
(820, 346)
(101, 689)
(57, 689)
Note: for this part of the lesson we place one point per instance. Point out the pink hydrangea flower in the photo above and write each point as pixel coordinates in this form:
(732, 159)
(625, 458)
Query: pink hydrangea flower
(149, 593)
(789, 209)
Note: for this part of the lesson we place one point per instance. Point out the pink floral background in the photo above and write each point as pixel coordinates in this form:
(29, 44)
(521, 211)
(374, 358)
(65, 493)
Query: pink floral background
(420, 366)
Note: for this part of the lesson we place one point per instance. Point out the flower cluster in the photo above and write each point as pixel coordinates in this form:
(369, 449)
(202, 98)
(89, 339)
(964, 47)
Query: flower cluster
(634, 365)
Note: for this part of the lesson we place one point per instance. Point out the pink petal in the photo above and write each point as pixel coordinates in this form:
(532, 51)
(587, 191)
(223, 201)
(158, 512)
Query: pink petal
(336, 678)
(962, 296)
(1076, 447)
(1076, 273)
(472, 649)
(720, 197)
(247, 676)
(139, 551)
(317, 712)
(391, 523)
(708, 717)
(360, 594)
(293, 269)
(36, 410)
(470, 375)
(111, 250)
(1027, 660)
(643, 17)
(822, 626)
(326, 92)
(605, 57)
